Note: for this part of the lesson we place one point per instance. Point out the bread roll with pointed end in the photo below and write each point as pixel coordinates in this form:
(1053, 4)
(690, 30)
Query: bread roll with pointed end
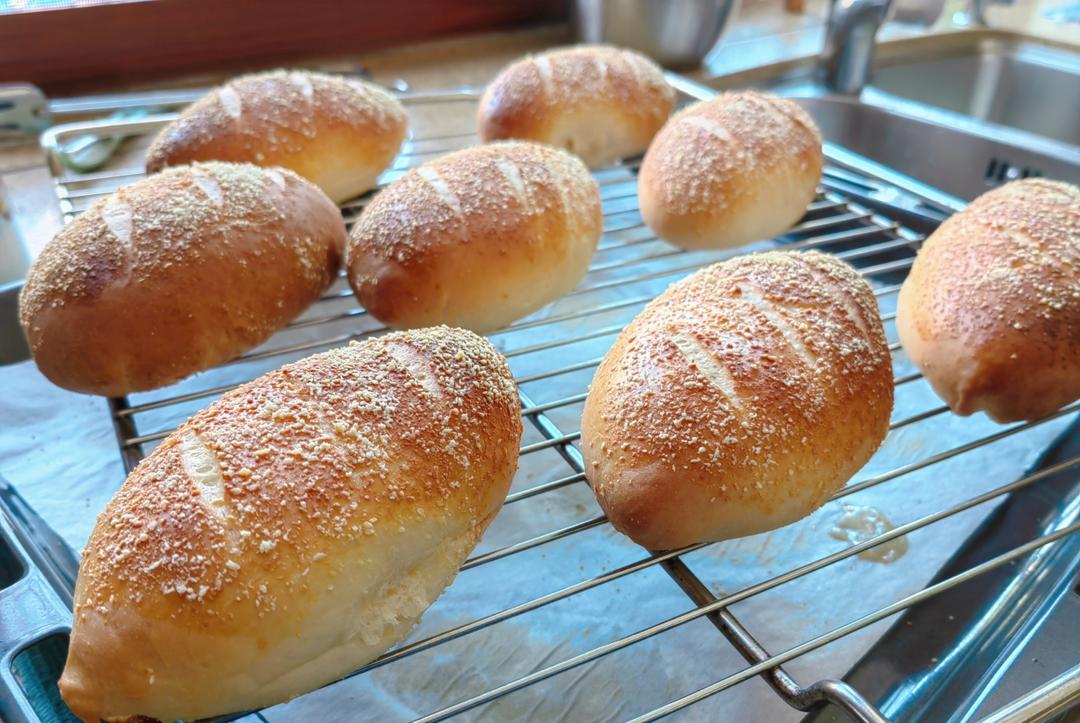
(476, 238)
(177, 273)
(738, 401)
(294, 530)
(741, 167)
(339, 133)
(600, 102)
(990, 312)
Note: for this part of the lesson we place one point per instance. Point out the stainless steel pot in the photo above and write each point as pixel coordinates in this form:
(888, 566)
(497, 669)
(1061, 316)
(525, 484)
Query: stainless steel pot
(676, 33)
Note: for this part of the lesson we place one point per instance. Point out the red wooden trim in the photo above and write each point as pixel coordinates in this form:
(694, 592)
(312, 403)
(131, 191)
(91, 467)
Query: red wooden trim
(144, 39)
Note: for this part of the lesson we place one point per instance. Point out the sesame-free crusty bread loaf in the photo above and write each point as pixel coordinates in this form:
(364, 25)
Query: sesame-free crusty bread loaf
(738, 400)
(293, 530)
(600, 102)
(176, 273)
(476, 238)
(339, 133)
(990, 312)
(741, 167)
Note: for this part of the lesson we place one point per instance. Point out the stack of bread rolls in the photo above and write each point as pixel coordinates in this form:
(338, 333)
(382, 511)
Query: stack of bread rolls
(299, 526)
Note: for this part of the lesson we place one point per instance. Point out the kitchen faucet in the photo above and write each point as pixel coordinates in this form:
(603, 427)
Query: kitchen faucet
(852, 26)
(849, 43)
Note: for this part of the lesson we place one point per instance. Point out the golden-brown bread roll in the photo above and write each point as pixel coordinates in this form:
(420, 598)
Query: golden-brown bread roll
(738, 168)
(476, 238)
(339, 133)
(738, 400)
(293, 530)
(600, 102)
(990, 312)
(176, 273)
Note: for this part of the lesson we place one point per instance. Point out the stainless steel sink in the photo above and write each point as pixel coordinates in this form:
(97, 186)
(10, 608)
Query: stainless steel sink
(952, 153)
(962, 112)
(992, 78)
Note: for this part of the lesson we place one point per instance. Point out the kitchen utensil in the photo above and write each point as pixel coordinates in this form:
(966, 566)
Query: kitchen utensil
(675, 33)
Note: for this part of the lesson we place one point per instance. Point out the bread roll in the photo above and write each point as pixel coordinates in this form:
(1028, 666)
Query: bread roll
(599, 102)
(339, 133)
(294, 530)
(991, 309)
(738, 400)
(738, 168)
(176, 273)
(476, 238)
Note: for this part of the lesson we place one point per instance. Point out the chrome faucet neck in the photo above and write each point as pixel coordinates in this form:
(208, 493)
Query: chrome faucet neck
(849, 43)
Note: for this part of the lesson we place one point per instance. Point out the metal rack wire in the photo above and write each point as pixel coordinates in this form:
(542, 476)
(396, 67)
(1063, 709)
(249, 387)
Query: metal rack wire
(630, 266)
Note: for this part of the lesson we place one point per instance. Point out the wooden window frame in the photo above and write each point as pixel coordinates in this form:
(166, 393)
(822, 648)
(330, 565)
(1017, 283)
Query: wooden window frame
(70, 48)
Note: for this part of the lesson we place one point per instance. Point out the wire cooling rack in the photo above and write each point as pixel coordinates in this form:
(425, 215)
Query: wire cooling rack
(549, 525)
